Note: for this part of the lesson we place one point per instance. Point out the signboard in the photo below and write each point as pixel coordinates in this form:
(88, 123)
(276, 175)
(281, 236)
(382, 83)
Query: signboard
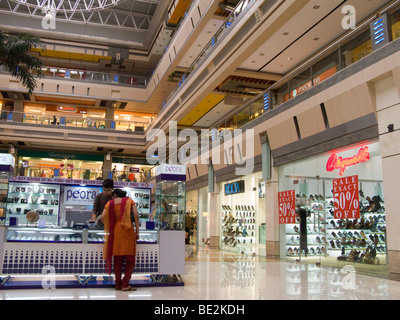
(346, 198)
(173, 172)
(83, 196)
(287, 207)
(234, 187)
(335, 162)
(7, 159)
(308, 85)
(84, 182)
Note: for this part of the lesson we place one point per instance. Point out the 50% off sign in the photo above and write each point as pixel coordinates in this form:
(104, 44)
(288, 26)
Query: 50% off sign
(346, 198)
(287, 203)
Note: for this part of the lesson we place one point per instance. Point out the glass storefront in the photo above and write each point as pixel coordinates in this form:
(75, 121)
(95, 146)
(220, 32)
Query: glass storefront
(59, 164)
(84, 117)
(340, 211)
(192, 201)
(241, 214)
(131, 121)
(132, 169)
(204, 221)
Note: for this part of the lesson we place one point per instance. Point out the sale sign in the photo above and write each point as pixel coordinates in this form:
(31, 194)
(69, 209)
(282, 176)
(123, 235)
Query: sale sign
(287, 203)
(346, 198)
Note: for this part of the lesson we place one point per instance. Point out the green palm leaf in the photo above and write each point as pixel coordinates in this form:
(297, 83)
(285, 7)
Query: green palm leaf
(15, 58)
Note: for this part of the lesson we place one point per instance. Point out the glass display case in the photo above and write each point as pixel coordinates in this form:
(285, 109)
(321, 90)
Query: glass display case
(44, 235)
(3, 194)
(25, 197)
(170, 197)
(69, 235)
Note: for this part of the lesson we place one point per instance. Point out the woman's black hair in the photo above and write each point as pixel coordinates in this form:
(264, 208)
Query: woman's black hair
(119, 193)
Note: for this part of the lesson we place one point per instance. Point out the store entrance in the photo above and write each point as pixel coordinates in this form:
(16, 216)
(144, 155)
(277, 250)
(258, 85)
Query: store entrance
(340, 210)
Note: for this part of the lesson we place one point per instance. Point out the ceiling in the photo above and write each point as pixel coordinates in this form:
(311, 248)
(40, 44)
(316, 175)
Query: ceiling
(136, 21)
(309, 30)
(301, 37)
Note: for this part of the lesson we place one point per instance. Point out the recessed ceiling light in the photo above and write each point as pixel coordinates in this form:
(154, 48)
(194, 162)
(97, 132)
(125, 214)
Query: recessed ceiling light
(286, 33)
(316, 7)
(290, 58)
(316, 39)
(262, 54)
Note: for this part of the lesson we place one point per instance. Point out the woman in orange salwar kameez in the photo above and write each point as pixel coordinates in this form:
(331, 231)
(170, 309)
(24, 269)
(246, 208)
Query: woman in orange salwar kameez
(120, 237)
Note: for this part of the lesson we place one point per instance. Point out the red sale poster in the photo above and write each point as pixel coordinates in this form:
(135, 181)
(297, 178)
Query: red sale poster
(287, 212)
(346, 198)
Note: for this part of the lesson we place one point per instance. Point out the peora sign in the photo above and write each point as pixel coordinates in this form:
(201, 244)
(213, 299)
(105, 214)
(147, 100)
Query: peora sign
(83, 196)
(335, 162)
(175, 172)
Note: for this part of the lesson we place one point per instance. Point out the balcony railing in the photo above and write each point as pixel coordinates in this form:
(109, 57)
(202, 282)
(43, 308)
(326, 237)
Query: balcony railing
(349, 49)
(74, 121)
(92, 76)
(235, 15)
(79, 173)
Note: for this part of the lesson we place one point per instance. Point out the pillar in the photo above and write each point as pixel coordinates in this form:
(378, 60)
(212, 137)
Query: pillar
(107, 166)
(109, 117)
(272, 215)
(387, 93)
(18, 111)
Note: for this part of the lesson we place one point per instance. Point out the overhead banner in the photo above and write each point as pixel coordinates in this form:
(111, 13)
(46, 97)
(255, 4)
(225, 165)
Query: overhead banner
(287, 207)
(346, 198)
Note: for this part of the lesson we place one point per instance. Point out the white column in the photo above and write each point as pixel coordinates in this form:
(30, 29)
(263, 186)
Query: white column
(272, 214)
(387, 93)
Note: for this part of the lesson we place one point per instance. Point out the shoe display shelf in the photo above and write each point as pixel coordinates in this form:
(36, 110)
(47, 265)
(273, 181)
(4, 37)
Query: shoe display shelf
(359, 240)
(317, 242)
(238, 225)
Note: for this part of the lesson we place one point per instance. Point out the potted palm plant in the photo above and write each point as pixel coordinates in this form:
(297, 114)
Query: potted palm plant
(15, 58)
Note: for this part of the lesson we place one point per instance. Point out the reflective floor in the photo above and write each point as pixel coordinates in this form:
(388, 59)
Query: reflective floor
(218, 275)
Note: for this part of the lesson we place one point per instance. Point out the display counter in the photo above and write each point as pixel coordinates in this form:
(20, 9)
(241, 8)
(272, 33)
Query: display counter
(61, 238)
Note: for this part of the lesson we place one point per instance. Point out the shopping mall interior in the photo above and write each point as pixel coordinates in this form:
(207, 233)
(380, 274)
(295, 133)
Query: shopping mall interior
(283, 114)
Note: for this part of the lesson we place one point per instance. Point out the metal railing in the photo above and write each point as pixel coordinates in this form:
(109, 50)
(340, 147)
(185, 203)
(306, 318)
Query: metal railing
(92, 76)
(82, 173)
(233, 16)
(344, 52)
(75, 121)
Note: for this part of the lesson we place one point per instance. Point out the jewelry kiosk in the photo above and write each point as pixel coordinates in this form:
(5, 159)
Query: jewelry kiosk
(59, 243)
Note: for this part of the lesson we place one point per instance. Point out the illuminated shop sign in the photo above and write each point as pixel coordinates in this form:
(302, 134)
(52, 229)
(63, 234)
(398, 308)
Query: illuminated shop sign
(335, 162)
(66, 109)
(80, 195)
(234, 187)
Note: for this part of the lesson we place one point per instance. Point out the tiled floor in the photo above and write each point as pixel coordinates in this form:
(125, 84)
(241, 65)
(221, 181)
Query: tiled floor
(217, 275)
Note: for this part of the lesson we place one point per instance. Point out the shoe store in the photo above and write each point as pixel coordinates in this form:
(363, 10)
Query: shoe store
(332, 207)
(242, 224)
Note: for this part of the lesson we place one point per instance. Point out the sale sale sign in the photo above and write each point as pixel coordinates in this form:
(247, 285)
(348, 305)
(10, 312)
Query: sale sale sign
(287, 203)
(346, 198)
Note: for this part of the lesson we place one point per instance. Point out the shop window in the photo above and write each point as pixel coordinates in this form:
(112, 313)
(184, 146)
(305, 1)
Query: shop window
(356, 49)
(299, 84)
(243, 117)
(395, 24)
(325, 68)
(323, 236)
(256, 109)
